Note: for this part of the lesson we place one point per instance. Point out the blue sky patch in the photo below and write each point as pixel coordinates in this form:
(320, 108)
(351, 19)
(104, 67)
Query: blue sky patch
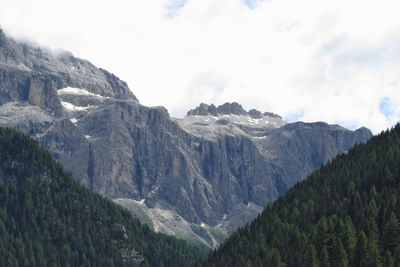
(252, 3)
(293, 117)
(387, 107)
(349, 125)
(174, 6)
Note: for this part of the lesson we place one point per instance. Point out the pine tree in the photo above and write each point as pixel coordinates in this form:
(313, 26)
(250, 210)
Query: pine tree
(391, 234)
(276, 259)
(321, 234)
(373, 258)
(349, 238)
(361, 250)
(396, 256)
(340, 255)
(310, 258)
(388, 261)
(325, 261)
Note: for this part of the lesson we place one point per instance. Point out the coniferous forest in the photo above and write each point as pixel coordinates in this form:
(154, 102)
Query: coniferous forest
(344, 214)
(48, 219)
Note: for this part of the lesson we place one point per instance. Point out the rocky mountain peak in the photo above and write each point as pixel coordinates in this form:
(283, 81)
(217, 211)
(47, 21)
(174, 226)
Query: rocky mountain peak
(6, 54)
(255, 114)
(225, 109)
(233, 108)
(203, 110)
(60, 69)
(2, 38)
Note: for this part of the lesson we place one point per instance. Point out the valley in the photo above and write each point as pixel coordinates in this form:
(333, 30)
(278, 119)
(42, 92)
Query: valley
(199, 177)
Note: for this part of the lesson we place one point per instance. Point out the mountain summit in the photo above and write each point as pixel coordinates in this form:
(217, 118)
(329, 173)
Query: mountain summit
(228, 109)
(201, 176)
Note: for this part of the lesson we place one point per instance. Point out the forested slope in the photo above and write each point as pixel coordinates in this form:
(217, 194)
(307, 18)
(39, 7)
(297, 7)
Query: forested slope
(344, 214)
(48, 219)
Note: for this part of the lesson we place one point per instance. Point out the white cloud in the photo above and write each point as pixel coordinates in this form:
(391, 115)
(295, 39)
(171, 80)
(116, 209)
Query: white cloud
(313, 60)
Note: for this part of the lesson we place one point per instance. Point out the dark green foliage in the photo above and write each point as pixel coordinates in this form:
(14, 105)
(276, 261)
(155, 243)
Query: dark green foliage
(48, 219)
(344, 214)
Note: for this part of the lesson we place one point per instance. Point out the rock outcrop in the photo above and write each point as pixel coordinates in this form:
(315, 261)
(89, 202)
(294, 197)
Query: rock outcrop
(201, 176)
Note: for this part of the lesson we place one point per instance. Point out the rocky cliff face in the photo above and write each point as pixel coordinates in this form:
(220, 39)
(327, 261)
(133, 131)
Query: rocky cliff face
(201, 176)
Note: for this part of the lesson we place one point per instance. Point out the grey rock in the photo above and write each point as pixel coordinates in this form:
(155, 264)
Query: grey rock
(61, 70)
(206, 174)
(228, 109)
(203, 109)
(231, 108)
(255, 114)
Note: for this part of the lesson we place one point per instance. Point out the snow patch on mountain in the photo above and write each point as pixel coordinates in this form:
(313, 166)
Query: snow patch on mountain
(78, 91)
(212, 126)
(72, 107)
(244, 120)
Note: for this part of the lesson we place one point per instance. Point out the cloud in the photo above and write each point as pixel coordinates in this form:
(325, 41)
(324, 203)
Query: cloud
(346, 53)
(332, 60)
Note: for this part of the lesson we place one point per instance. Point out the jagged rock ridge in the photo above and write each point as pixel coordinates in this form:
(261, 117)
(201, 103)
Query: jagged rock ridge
(228, 109)
(201, 176)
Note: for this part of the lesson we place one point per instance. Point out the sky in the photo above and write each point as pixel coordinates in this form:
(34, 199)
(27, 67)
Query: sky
(311, 60)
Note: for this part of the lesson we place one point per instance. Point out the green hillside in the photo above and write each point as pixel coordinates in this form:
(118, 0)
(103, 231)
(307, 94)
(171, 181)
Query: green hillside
(48, 219)
(344, 214)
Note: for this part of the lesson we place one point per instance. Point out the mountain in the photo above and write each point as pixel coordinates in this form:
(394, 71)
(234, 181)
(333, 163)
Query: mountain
(344, 214)
(199, 177)
(48, 219)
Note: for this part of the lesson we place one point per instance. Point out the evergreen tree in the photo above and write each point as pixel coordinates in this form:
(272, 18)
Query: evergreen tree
(373, 255)
(361, 250)
(388, 261)
(340, 254)
(349, 238)
(310, 258)
(325, 261)
(276, 259)
(391, 234)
